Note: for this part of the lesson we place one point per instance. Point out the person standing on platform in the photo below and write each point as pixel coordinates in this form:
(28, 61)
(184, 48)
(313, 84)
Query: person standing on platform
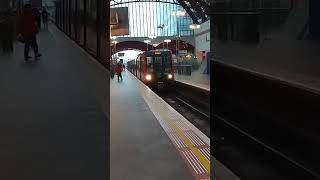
(27, 31)
(119, 71)
(6, 36)
(45, 17)
(112, 69)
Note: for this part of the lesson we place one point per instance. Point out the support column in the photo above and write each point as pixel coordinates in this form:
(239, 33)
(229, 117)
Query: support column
(6, 26)
(314, 14)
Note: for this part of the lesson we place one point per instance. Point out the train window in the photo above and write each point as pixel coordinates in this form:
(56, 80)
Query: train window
(142, 66)
(157, 63)
(150, 64)
(138, 64)
(167, 63)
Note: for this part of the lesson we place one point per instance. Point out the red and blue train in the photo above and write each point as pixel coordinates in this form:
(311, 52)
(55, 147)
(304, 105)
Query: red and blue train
(154, 68)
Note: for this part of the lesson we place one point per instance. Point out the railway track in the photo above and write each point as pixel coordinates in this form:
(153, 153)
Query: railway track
(197, 115)
(249, 157)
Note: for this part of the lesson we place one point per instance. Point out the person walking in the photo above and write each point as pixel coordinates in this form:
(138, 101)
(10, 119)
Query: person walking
(27, 32)
(45, 17)
(119, 71)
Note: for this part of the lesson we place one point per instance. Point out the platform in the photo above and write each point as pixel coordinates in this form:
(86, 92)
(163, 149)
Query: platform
(295, 62)
(150, 140)
(201, 81)
(139, 146)
(53, 113)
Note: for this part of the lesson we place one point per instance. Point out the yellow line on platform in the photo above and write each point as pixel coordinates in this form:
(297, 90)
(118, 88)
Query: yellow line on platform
(187, 142)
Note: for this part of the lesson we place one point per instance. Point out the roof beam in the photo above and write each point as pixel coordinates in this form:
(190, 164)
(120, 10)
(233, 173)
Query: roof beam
(197, 8)
(191, 14)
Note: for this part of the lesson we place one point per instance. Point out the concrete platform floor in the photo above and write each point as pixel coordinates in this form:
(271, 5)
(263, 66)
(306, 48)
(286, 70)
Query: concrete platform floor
(53, 113)
(140, 148)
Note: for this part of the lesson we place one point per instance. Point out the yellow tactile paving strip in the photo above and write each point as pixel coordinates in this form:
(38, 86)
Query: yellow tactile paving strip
(193, 150)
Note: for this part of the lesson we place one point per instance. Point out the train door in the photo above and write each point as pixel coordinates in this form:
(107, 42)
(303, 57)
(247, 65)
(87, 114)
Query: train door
(140, 67)
(143, 67)
(135, 66)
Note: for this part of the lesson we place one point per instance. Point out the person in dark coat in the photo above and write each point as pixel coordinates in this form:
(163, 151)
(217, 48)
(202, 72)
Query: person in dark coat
(119, 71)
(6, 35)
(112, 69)
(45, 18)
(27, 30)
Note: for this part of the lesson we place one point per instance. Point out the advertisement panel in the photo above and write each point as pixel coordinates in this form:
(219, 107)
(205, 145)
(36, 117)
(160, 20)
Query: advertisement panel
(119, 21)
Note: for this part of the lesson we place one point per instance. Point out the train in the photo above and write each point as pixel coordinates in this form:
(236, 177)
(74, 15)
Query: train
(154, 68)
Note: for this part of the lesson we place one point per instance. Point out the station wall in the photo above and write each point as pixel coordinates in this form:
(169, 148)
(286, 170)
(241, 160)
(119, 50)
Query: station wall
(202, 37)
(87, 23)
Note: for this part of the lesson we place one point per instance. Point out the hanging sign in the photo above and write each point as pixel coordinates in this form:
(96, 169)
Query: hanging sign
(119, 21)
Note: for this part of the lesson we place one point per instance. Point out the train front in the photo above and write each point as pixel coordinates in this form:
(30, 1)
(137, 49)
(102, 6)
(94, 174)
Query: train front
(159, 69)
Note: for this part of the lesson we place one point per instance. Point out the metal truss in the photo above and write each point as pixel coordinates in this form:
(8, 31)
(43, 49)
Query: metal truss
(198, 10)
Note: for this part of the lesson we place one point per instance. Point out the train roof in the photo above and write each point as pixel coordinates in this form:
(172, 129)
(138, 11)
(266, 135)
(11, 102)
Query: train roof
(160, 50)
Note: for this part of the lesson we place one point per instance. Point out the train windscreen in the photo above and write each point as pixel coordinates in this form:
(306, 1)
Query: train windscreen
(159, 65)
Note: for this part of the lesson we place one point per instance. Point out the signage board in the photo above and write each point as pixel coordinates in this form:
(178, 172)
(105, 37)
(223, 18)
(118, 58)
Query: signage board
(183, 52)
(119, 21)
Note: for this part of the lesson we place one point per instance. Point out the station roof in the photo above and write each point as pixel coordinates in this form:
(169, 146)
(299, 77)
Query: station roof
(198, 10)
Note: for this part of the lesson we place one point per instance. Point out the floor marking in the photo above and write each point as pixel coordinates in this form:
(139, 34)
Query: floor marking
(187, 139)
(184, 153)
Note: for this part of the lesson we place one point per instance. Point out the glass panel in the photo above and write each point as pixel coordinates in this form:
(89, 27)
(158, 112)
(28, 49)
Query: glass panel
(167, 64)
(73, 19)
(66, 16)
(163, 23)
(150, 64)
(92, 26)
(81, 21)
(157, 66)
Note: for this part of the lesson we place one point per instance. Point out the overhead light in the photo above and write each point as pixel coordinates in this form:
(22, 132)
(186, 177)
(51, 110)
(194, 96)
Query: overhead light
(194, 26)
(166, 26)
(113, 37)
(114, 42)
(147, 41)
(152, 36)
(182, 13)
(155, 45)
(167, 40)
(178, 13)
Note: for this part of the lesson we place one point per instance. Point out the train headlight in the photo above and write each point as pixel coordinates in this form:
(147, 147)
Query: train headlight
(170, 76)
(148, 77)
